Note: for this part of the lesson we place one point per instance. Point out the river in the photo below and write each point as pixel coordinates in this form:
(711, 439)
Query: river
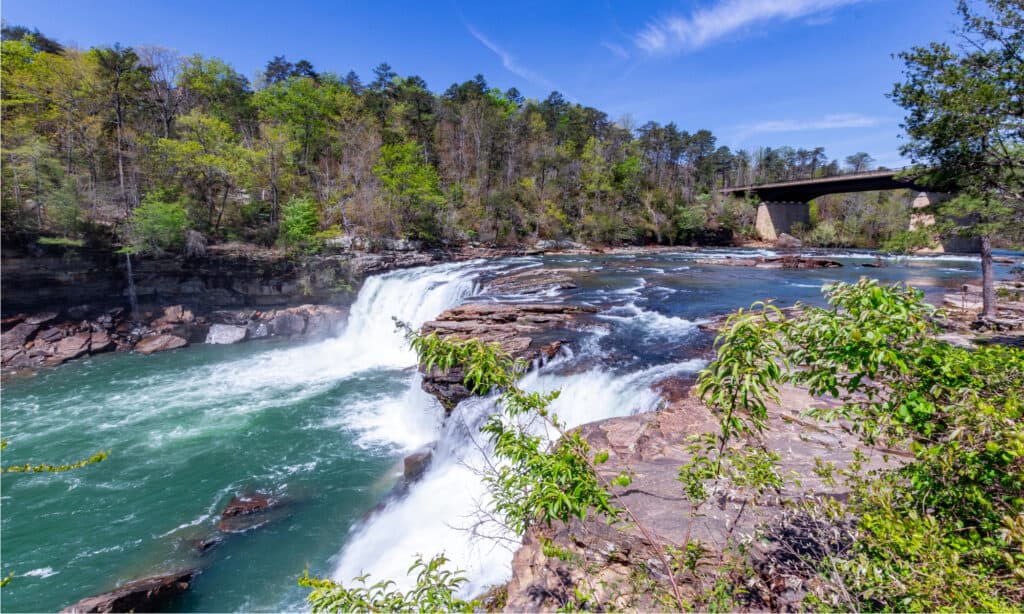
(326, 425)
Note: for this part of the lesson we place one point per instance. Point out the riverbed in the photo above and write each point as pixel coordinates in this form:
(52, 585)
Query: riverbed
(326, 425)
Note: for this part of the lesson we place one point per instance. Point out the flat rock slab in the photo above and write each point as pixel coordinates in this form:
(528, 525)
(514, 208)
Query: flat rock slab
(515, 327)
(145, 595)
(160, 343)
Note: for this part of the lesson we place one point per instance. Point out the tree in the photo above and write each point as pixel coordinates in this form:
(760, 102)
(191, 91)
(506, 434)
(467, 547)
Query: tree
(125, 81)
(859, 162)
(410, 189)
(159, 223)
(209, 159)
(965, 117)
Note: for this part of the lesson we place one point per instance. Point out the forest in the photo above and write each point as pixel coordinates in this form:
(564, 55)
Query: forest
(141, 147)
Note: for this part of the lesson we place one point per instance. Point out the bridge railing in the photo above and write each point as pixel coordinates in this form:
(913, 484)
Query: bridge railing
(786, 182)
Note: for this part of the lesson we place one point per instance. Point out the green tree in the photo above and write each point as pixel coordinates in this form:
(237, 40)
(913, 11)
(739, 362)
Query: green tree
(410, 190)
(159, 223)
(299, 220)
(209, 159)
(964, 116)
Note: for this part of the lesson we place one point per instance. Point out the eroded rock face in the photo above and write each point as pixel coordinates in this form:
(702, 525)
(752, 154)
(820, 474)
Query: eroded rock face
(522, 330)
(652, 447)
(145, 595)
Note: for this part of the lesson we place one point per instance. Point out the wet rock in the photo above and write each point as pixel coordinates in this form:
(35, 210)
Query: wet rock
(518, 329)
(100, 342)
(786, 241)
(159, 343)
(226, 334)
(145, 595)
(205, 544)
(531, 281)
(247, 511)
(287, 324)
(69, 348)
(416, 463)
(18, 335)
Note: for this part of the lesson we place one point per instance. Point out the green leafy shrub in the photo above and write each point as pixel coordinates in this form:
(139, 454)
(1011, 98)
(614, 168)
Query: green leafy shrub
(300, 220)
(159, 223)
(944, 530)
(435, 591)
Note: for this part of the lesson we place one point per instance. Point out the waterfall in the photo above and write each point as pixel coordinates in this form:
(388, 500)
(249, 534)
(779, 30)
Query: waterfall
(438, 514)
(133, 299)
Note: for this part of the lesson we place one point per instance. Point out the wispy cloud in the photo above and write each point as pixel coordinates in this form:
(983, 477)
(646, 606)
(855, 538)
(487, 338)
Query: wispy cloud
(618, 50)
(828, 122)
(509, 61)
(705, 26)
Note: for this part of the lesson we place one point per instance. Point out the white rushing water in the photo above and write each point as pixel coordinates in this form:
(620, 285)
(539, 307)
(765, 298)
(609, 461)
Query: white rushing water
(440, 512)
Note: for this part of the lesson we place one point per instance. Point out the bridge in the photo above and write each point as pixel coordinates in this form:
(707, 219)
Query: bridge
(785, 203)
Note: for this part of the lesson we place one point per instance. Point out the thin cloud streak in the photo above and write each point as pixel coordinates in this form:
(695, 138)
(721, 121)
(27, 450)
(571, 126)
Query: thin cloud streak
(828, 122)
(509, 62)
(618, 50)
(675, 34)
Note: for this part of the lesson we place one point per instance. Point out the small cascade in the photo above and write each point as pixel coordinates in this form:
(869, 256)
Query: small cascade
(439, 512)
(133, 299)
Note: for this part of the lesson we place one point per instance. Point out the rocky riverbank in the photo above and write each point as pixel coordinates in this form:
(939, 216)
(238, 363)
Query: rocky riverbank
(47, 339)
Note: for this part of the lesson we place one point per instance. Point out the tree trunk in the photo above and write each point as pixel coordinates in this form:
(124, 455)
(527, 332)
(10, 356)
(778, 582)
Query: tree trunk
(988, 280)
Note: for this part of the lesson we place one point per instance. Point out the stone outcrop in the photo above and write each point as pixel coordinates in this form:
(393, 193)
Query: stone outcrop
(527, 331)
(651, 447)
(222, 334)
(145, 595)
(47, 340)
(774, 262)
(531, 281)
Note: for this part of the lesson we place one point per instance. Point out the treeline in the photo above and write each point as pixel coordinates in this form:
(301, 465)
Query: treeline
(150, 143)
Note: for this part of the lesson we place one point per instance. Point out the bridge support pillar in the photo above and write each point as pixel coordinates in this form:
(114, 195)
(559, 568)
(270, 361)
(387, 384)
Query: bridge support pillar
(920, 219)
(774, 219)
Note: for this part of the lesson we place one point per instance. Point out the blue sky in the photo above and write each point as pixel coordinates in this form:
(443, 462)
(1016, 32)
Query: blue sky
(755, 72)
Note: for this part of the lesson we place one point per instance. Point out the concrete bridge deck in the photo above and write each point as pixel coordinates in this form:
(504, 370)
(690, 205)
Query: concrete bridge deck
(804, 190)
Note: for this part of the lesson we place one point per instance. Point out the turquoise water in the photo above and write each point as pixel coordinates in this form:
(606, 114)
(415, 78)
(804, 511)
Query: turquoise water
(179, 449)
(325, 426)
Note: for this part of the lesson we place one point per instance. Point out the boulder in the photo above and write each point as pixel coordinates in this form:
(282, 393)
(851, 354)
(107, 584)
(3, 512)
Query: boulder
(145, 595)
(787, 241)
(226, 334)
(17, 336)
(159, 343)
(246, 511)
(287, 324)
(69, 348)
(416, 463)
(100, 342)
